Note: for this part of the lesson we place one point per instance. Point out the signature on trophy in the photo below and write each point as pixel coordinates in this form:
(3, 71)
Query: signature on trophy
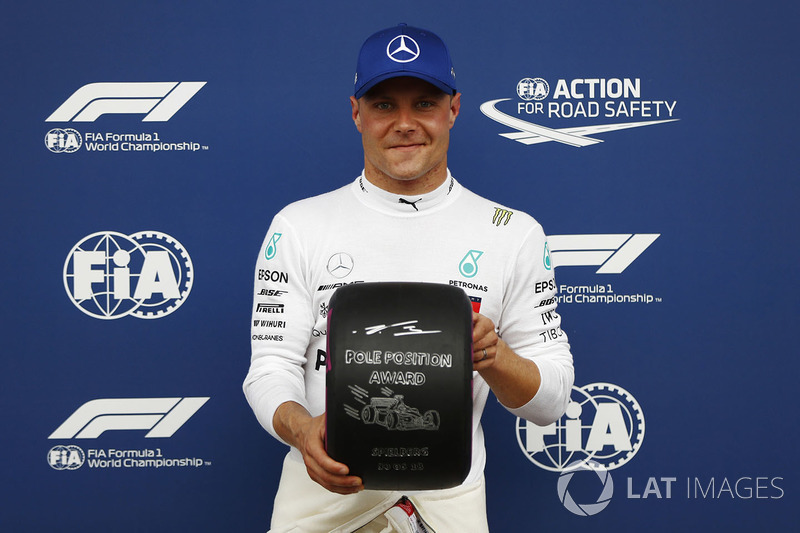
(407, 328)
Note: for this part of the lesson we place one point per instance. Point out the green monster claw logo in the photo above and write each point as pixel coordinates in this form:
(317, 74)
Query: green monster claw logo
(272, 247)
(469, 265)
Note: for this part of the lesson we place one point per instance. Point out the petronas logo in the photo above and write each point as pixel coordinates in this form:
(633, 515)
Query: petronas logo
(469, 265)
(548, 263)
(272, 247)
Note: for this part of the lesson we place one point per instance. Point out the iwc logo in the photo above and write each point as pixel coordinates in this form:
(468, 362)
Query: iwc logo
(109, 275)
(603, 423)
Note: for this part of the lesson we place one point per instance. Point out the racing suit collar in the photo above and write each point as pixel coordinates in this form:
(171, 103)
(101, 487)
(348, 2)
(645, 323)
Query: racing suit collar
(383, 200)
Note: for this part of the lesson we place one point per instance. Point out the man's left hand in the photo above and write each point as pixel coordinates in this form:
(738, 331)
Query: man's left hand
(484, 342)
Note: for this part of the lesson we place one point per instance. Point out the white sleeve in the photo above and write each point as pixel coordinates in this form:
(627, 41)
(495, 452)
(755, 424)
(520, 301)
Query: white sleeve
(281, 327)
(531, 326)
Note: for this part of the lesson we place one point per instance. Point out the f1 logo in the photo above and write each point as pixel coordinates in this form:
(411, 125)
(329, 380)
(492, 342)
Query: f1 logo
(162, 416)
(160, 100)
(613, 253)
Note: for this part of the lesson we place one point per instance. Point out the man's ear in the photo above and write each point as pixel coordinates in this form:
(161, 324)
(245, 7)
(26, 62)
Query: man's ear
(356, 114)
(455, 108)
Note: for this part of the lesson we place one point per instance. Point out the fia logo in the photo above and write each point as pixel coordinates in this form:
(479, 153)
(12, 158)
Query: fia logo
(66, 457)
(533, 89)
(603, 423)
(63, 141)
(109, 275)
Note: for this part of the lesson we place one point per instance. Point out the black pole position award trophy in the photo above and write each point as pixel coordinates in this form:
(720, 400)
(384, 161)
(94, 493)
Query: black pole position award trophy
(399, 384)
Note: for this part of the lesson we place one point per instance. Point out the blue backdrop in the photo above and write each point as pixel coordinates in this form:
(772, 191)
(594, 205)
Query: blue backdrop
(133, 217)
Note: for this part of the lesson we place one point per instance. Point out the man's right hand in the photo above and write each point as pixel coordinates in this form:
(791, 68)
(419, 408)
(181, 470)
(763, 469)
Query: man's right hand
(306, 433)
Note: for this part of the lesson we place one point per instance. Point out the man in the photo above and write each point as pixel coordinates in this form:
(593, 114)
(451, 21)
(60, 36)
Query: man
(404, 219)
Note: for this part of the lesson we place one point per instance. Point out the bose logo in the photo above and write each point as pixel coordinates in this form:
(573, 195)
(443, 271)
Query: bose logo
(162, 416)
(160, 100)
(612, 252)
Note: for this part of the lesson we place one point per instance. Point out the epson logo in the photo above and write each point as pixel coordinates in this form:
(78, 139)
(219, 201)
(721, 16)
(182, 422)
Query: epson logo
(613, 253)
(542, 286)
(161, 416)
(272, 275)
(157, 100)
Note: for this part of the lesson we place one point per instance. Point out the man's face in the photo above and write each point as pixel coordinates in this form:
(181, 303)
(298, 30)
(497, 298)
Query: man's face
(405, 129)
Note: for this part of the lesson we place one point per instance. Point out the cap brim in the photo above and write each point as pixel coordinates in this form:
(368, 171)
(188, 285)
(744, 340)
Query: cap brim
(404, 73)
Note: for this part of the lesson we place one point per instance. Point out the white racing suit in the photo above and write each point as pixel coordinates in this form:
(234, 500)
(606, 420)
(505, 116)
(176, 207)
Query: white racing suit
(360, 233)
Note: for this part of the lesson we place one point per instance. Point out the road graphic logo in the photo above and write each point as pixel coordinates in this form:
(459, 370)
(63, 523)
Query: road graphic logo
(604, 101)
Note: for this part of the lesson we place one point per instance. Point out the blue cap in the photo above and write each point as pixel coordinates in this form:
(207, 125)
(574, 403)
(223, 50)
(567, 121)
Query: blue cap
(404, 51)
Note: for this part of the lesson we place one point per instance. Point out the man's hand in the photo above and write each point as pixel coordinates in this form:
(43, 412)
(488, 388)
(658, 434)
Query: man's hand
(484, 342)
(513, 380)
(306, 433)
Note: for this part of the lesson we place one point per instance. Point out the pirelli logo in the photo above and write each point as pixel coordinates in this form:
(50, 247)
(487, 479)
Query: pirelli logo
(501, 216)
(269, 308)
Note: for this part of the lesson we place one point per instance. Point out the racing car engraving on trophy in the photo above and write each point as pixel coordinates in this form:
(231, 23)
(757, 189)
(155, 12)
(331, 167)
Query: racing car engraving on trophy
(393, 413)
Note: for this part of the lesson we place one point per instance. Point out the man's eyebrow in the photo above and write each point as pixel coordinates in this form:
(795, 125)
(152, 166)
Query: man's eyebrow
(377, 95)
